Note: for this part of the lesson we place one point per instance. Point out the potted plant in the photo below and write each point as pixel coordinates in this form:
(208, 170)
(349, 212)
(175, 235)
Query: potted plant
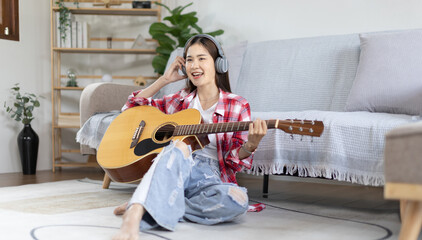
(169, 37)
(21, 111)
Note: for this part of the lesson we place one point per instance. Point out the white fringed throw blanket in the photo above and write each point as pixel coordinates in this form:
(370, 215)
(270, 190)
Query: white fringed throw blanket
(350, 149)
(94, 128)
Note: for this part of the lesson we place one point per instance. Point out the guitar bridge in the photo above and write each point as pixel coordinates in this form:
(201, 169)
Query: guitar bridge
(137, 134)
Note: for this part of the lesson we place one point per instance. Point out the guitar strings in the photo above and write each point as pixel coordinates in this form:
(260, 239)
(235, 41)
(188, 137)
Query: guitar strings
(174, 128)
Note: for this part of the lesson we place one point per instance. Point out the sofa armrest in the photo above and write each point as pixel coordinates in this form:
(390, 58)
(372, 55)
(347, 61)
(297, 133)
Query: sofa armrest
(402, 154)
(102, 97)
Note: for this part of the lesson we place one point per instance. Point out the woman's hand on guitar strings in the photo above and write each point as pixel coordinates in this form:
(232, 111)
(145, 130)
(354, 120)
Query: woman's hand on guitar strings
(257, 131)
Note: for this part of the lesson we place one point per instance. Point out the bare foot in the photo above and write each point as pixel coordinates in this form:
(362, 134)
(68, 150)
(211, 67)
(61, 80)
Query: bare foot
(130, 226)
(121, 209)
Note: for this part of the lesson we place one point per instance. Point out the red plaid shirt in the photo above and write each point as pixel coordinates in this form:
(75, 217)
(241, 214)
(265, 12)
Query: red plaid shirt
(230, 108)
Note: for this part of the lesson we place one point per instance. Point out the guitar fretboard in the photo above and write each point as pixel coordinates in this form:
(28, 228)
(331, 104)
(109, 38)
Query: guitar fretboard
(207, 128)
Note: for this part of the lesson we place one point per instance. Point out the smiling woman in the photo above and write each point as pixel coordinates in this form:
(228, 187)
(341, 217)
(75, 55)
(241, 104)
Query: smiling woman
(9, 19)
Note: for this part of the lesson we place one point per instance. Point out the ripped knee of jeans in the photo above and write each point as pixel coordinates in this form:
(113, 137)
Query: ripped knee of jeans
(238, 195)
(183, 147)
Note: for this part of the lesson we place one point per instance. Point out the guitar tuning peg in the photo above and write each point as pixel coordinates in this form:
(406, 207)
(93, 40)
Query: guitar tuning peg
(301, 138)
(312, 139)
(302, 122)
(291, 137)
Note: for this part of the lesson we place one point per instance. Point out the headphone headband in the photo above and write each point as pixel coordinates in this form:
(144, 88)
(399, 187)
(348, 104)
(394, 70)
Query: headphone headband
(220, 51)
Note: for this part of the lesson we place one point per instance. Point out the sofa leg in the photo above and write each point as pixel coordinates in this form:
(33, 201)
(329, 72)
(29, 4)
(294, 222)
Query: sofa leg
(412, 222)
(106, 181)
(402, 208)
(265, 186)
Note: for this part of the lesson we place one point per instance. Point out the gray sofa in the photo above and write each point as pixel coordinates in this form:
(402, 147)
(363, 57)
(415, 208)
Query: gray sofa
(357, 84)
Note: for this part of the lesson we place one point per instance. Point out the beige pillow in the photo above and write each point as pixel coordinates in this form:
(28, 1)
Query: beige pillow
(389, 74)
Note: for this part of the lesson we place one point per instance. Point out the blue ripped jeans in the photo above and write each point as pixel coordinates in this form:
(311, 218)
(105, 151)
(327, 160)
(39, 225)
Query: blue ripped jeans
(177, 188)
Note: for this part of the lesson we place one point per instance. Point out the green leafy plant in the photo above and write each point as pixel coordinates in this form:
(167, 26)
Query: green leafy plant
(181, 27)
(64, 19)
(23, 105)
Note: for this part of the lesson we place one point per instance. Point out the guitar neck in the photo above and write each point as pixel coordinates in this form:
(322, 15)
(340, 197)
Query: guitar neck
(208, 128)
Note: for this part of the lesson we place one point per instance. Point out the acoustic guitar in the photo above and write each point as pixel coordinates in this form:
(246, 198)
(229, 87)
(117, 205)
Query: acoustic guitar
(139, 134)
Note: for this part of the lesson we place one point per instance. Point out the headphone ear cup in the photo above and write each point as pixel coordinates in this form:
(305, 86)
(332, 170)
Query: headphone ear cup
(221, 65)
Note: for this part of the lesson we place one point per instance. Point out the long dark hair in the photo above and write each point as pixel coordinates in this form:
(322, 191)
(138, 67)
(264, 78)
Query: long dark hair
(221, 79)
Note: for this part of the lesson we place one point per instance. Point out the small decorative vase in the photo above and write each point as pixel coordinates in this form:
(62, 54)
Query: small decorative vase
(28, 149)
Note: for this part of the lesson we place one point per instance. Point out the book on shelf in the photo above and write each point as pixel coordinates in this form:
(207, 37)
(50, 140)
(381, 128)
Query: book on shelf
(64, 39)
(81, 30)
(68, 38)
(58, 33)
(77, 34)
(85, 35)
(74, 43)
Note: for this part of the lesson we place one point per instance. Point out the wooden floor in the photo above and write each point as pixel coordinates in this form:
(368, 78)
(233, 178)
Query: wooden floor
(16, 179)
(309, 191)
(317, 191)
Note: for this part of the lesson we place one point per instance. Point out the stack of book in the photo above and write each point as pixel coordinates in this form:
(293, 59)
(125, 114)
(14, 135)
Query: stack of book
(75, 35)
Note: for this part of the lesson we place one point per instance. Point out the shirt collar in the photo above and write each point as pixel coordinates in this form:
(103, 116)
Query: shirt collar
(219, 109)
(188, 99)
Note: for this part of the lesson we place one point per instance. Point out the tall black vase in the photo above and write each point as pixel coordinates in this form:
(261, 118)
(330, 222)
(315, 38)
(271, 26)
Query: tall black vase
(28, 149)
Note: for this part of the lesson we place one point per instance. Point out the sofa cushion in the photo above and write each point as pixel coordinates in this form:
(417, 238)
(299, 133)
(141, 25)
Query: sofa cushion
(389, 74)
(299, 74)
(234, 55)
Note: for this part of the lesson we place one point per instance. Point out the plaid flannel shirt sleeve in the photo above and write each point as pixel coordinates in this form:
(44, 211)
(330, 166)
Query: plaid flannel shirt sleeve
(238, 139)
(167, 104)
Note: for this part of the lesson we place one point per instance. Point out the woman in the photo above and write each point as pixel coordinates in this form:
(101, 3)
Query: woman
(201, 186)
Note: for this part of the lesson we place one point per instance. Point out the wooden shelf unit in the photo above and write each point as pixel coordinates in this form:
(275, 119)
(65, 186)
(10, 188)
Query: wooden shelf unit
(104, 50)
(68, 120)
(59, 163)
(113, 11)
(64, 120)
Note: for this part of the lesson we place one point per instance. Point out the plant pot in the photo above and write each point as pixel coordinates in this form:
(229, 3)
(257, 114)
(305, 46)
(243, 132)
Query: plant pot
(28, 149)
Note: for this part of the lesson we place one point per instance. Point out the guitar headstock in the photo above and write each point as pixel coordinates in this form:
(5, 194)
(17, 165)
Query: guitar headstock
(301, 127)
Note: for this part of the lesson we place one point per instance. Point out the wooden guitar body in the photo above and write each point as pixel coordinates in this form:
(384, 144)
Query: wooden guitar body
(124, 163)
(139, 134)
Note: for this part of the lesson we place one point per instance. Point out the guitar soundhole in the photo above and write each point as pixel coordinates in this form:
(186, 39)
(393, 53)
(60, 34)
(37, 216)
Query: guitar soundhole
(164, 132)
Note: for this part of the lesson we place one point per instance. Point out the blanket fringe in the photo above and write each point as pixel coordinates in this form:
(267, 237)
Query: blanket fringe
(89, 141)
(313, 171)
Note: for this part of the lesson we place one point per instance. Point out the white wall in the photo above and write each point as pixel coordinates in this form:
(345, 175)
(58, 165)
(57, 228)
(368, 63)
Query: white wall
(278, 19)
(28, 61)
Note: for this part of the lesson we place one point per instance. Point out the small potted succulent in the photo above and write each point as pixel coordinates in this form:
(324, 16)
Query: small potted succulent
(21, 111)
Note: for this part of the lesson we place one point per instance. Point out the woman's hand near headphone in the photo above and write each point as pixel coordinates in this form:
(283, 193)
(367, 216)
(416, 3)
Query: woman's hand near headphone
(172, 73)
